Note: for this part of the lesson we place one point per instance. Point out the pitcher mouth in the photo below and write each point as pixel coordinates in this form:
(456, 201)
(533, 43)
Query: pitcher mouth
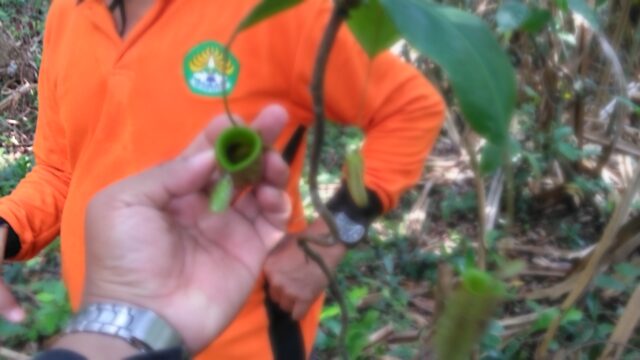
(237, 148)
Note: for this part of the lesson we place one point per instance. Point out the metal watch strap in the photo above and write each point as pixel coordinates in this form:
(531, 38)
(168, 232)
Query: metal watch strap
(142, 328)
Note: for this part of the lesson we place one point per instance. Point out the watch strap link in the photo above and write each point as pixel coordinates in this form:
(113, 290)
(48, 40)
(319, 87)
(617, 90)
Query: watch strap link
(142, 328)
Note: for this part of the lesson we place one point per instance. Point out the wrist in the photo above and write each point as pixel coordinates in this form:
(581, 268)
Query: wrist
(96, 346)
(141, 328)
(333, 254)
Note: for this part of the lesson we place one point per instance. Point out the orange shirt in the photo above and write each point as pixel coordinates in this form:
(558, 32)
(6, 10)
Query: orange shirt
(111, 107)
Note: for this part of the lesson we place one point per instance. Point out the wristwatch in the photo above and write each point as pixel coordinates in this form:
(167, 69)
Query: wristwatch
(351, 232)
(352, 221)
(142, 328)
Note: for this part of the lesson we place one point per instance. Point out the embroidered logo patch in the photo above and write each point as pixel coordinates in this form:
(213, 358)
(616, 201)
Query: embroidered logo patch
(205, 68)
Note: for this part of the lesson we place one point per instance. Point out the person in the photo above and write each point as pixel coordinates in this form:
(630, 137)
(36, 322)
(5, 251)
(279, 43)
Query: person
(124, 87)
(154, 246)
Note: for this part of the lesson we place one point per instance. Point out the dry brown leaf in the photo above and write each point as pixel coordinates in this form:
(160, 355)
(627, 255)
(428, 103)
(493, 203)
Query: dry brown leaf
(380, 335)
(584, 279)
(9, 354)
(404, 337)
(624, 328)
(419, 320)
(426, 305)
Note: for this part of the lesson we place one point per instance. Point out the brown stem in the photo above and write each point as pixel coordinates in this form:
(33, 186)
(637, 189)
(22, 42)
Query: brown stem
(334, 289)
(338, 16)
(578, 106)
(621, 112)
(317, 93)
(511, 190)
(225, 62)
(481, 199)
(4, 230)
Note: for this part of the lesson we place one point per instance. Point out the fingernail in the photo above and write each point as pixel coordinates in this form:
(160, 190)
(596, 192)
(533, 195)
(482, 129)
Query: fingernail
(16, 315)
(202, 158)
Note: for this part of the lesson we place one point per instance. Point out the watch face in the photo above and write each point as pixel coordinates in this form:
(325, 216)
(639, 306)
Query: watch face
(350, 231)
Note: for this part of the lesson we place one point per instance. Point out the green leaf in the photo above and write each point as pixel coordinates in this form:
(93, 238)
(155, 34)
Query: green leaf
(534, 162)
(264, 10)
(511, 15)
(329, 312)
(569, 151)
(494, 156)
(562, 132)
(573, 315)
(545, 318)
(537, 20)
(633, 106)
(628, 270)
(8, 330)
(563, 5)
(358, 333)
(605, 281)
(603, 330)
(372, 27)
(221, 194)
(462, 44)
(512, 268)
(491, 158)
(584, 10)
(45, 297)
(356, 294)
(467, 312)
(355, 178)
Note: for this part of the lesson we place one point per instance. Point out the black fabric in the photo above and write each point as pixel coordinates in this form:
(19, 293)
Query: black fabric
(287, 342)
(291, 149)
(59, 354)
(342, 201)
(119, 5)
(285, 334)
(177, 353)
(12, 248)
(64, 354)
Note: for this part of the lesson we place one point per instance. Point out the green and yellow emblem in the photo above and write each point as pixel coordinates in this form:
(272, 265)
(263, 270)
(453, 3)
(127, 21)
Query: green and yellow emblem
(205, 69)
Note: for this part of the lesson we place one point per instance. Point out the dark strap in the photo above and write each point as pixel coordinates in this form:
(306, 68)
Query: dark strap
(66, 354)
(12, 247)
(285, 334)
(59, 354)
(291, 149)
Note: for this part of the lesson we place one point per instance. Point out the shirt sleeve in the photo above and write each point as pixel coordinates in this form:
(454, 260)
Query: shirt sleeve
(399, 111)
(33, 210)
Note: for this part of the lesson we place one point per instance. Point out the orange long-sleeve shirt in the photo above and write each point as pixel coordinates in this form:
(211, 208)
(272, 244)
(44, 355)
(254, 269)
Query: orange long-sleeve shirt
(110, 107)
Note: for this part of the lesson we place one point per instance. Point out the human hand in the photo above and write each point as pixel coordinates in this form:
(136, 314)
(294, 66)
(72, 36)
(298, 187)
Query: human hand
(295, 282)
(9, 308)
(153, 242)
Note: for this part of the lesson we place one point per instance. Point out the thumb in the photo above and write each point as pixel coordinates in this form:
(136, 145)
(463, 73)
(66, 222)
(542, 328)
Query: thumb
(158, 185)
